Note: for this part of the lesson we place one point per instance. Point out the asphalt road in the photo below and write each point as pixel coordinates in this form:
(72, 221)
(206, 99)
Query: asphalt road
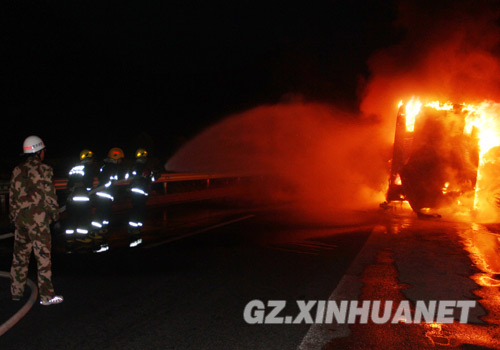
(187, 285)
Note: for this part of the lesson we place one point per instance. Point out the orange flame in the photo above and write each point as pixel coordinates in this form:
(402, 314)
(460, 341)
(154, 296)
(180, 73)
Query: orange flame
(485, 119)
(412, 109)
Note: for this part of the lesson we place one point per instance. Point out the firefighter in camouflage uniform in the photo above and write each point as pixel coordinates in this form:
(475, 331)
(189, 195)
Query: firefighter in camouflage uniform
(33, 206)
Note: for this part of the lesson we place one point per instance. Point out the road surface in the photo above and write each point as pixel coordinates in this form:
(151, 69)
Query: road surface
(201, 264)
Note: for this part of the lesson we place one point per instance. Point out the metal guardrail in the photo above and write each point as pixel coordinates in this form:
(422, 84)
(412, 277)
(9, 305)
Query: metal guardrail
(165, 178)
(61, 184)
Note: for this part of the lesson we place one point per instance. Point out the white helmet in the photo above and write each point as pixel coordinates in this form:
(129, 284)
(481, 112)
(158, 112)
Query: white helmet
(33, 144)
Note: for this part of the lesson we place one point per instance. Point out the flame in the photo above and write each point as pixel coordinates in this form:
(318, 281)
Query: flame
(447, 106)
(397, 181)
(445, 188)
(484, 120)
(412, 108)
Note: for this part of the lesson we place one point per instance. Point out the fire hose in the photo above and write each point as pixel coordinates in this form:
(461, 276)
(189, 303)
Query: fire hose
(22, 311)
(34, 290)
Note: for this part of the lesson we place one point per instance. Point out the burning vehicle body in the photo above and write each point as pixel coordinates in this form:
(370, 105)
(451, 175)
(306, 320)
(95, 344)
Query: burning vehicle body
(444, 157)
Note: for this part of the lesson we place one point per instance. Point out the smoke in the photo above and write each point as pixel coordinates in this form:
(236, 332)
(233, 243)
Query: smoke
(333, 161)
(450, 53)
(327, 162)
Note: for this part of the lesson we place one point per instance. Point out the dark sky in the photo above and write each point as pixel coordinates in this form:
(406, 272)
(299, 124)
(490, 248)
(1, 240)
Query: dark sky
(101, 73)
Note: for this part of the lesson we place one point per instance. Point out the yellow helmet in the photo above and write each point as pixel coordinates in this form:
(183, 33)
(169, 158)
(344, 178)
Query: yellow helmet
(116, 153)
(86, 154)
(141, 153)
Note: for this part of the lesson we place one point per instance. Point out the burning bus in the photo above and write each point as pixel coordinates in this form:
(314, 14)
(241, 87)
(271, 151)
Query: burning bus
(441, 153)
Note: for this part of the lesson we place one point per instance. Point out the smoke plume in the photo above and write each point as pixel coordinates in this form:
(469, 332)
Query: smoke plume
(450, 53)
(333, 161)
(327, 162)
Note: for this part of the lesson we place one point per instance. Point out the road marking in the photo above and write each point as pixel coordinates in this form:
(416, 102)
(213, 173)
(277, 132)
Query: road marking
(319, 335)
(176, 238)
(296, 251)
(307, 246)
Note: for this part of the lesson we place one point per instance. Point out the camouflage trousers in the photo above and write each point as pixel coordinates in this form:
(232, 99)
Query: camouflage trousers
(32, 234)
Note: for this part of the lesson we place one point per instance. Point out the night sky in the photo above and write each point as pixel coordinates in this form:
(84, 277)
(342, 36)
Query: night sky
(100, 73)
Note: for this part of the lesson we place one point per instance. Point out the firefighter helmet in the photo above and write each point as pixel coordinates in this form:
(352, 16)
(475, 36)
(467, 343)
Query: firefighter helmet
(116, 153)
(33, 144)
(86, 154)
(141, 153)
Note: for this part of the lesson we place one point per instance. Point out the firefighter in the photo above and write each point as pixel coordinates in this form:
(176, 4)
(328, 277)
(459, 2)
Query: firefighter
(78, 205)
(109, 173)
(140, 177)
(33, 206)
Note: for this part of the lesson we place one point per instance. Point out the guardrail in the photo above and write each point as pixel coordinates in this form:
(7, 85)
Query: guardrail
(164, 178)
